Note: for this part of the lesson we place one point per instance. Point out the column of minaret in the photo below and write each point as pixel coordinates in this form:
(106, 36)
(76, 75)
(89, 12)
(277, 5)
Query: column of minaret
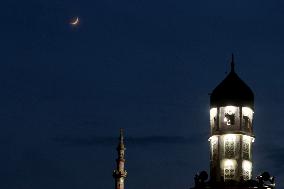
(231, 118)
(120, 173)
(231, 148)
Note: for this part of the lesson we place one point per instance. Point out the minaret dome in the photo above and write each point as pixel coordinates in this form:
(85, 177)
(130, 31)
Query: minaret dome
(232, 91)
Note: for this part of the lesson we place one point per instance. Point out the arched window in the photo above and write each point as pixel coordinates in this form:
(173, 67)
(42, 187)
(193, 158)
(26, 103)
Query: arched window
(229, 170)
(229, 145)
(247, 168)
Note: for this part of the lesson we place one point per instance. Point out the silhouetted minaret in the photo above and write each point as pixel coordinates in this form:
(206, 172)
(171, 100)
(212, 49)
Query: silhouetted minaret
(233, 63)
(120, 173)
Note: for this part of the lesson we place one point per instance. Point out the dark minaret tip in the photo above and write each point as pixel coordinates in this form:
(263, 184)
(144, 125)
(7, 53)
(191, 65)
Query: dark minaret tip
(121, 136)
(120, 173)
(121, 141)
(232, 63)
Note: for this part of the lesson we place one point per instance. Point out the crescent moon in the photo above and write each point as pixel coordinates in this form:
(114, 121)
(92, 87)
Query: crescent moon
(75, 22)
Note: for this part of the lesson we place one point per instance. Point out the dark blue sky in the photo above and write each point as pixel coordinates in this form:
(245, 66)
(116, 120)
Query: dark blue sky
(144, 65)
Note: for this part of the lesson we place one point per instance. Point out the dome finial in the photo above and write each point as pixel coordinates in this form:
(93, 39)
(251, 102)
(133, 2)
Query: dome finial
(233, 63)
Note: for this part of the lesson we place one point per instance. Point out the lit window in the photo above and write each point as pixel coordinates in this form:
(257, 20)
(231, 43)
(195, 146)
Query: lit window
(247, 112)
(213, 112)
(229, 118)
(229, 170)
(247, 117)
(247, 169)
(246, 150)
(213, 117)
(229, 145)
(214, 146)
(230, 109)
(246, 147)
(246, 121)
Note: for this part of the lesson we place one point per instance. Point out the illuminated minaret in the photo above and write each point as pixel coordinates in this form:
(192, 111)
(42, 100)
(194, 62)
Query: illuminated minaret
(119, 174)
(231, 122)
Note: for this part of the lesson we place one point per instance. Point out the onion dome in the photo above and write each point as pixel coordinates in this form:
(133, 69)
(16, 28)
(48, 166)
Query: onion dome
(232, 91)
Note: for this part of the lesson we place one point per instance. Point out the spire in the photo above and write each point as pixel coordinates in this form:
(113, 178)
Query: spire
(121, 136)
(120, 146)
(120, 173)
(232, 63)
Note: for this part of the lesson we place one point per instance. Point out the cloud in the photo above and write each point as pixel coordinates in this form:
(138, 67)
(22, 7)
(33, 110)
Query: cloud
(276, 156)
(84, 141)
(105, 141)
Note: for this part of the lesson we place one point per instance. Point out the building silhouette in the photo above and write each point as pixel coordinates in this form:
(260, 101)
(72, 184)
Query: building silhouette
(119, 174)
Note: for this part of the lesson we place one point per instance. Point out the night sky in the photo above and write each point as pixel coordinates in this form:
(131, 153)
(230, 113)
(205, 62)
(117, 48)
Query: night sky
(143, 65)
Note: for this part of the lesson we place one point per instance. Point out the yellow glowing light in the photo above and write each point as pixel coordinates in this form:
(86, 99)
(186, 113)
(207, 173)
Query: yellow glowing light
(248, 138)
(225, 119)
(230, 137)
(247, 165)
(230, 109)
(247, 112)
(229, 168)
(213, 112)
(229, 163)
(213, 138)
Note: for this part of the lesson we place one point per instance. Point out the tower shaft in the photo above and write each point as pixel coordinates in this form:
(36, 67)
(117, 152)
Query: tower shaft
(120, 173)
(231, 143)
(231, 119)
(231, 138)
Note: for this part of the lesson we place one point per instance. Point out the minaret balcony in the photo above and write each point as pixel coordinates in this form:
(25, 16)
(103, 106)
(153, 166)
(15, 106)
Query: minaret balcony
(119, 173)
